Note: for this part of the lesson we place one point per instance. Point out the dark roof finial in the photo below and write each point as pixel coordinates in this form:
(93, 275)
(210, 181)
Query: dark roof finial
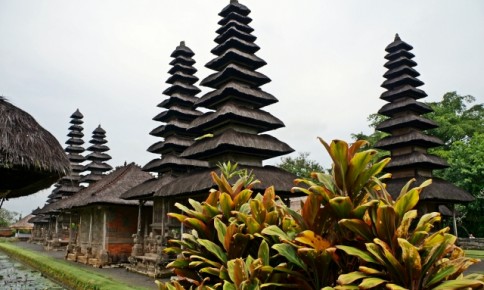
(397, 37)
(234, 2)
(182, 43)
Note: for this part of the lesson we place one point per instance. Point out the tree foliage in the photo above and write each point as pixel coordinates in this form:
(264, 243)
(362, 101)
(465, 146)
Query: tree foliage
(349, 234)
(458, 118)
(301, 166)
(7, 217)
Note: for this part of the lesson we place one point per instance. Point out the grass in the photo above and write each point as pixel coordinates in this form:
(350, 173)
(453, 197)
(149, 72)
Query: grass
(479, 254)
(63, 272)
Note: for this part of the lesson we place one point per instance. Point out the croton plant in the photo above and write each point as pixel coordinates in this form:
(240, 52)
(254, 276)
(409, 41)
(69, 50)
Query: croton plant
(349, 234)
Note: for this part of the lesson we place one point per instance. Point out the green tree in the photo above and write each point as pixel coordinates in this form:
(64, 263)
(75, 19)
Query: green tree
(458, 118)
(301, 166)
(466, 160)
(7, 217)
(461, 128)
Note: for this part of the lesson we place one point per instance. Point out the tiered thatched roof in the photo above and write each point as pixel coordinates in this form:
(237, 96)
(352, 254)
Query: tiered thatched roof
(408, 142)
(69, 184)
(231, 132)
(237, 99)
(31, 158)
(177, 117)
(201, 182)
(105, 191)
(97, 157)
(178, 114)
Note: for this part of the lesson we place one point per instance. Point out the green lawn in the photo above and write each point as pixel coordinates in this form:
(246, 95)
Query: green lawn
(63, 272)
(479, 254)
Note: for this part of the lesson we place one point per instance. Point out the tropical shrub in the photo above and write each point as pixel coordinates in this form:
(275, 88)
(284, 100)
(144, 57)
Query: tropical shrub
(349, 234)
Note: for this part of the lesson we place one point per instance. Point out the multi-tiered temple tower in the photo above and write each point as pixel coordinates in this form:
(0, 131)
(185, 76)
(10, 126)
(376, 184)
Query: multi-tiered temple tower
(408, 141)
(233, 129)
(238, 120)
(177, 117)
(69, 184)
(98, 157)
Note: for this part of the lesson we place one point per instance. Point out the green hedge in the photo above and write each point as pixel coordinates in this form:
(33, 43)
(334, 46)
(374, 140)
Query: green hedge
(63, 272)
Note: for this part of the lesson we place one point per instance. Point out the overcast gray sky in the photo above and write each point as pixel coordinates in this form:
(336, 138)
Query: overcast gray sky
(325, 58)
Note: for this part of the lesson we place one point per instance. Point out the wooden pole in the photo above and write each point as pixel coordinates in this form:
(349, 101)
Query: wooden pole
(454, 221)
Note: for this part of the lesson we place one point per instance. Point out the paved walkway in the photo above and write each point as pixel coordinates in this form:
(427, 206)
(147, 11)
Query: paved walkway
(117, 274)
(476, 268)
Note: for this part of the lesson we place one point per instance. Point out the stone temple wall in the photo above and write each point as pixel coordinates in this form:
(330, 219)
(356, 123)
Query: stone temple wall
(471, 244)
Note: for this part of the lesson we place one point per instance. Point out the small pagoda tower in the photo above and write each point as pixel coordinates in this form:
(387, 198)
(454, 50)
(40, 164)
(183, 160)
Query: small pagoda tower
(97, 157)
(69, 184)
(233, 130)
(408, 142)
(177, 117)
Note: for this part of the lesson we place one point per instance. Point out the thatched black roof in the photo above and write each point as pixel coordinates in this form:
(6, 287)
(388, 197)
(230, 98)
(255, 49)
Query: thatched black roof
(260, 120)
(172, 143)
(234, 23)
(201, 182)
(39, 219)
(404, 104)
(235, 72)
(254, 97)
(231, 141)
(177, 112)
(233, 55)
(417, 160)
(173, 162)
(410, 138)
(406, 121)
(31, 158)
(105, 191)
(148, 188)
(401, 92)
(439, 191)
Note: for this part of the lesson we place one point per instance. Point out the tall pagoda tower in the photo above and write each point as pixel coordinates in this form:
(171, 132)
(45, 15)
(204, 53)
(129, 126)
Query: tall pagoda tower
(235, 126)
(177, 117)
(97, 157)
(70, 184)
(408, 141)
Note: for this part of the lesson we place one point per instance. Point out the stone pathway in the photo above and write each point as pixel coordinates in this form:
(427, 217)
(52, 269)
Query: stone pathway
(118, 274)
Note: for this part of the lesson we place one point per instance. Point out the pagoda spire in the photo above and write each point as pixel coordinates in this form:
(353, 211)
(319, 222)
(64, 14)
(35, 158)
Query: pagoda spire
(98, 157)
(408, 141)
(178, 115)
(236, 98)
(68, 185)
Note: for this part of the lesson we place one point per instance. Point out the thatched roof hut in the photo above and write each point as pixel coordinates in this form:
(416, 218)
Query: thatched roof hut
(31, 158)
(23, 224)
